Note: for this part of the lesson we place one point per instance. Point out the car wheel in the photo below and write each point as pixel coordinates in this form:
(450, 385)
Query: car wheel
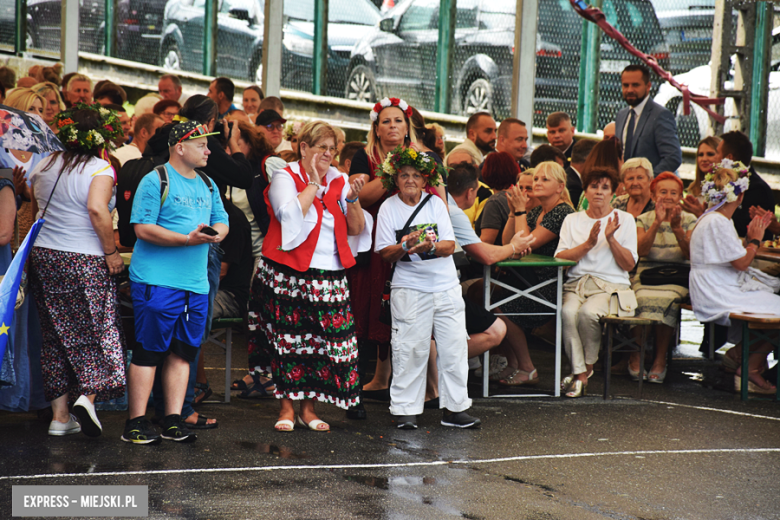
(171, 57)
(256, 71)
(30, 40)
(479, 97)
(361, 85)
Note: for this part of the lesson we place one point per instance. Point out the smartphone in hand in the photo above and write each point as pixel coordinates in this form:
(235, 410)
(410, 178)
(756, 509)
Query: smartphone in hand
(210, 231)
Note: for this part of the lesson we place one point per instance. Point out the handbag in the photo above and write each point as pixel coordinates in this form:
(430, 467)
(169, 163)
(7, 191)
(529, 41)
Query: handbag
(622, 304)
(672, 274)
(385, 314)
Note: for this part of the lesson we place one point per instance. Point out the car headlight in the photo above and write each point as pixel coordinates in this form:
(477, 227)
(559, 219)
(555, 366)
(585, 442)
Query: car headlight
(298, 45)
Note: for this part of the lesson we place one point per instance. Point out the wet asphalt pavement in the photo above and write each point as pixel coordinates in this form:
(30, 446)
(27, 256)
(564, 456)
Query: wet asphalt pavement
(690, 449)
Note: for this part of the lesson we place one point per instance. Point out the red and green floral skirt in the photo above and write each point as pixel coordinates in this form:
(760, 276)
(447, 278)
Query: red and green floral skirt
(304, 324)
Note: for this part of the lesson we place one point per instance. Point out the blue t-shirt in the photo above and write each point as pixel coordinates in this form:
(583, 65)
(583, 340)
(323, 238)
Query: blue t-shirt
(188, 204)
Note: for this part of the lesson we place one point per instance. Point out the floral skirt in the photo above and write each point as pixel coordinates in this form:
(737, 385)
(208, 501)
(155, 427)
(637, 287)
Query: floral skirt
(303, 321)
(83, 344)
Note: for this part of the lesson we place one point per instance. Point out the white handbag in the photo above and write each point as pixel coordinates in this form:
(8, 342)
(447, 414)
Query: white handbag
(623, 304)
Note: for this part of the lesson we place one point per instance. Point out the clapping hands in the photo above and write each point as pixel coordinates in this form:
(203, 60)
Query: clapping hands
(516, 198)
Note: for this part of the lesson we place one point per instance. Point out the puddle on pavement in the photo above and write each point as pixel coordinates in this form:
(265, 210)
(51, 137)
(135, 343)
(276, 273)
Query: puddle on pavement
(385, 482)
(695, 376)
(271, 449)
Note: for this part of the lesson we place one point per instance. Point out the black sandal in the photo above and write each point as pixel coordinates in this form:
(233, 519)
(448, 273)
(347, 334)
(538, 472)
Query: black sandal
(202, 392)
(239, 385)
(258, 390)
(201, 423)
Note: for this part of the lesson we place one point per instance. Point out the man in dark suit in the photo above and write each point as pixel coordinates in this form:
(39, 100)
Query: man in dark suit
(646, 128)
(560, 133)
(579, 154)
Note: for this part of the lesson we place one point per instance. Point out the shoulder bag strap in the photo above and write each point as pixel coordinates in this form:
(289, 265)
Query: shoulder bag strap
(409, 223)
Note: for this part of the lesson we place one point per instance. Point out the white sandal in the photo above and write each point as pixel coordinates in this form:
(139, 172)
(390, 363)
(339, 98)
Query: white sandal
(284, 422)
(314, 425)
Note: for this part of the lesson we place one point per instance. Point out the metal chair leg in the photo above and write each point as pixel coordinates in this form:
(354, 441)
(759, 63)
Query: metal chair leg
(608, 365)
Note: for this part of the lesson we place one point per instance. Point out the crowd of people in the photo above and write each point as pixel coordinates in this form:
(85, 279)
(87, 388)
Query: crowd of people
(334, 252)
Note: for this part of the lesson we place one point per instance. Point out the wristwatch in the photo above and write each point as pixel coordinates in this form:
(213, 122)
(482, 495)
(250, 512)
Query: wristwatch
(519, 213)
(404, 246)
(756, 242)
(433, 249)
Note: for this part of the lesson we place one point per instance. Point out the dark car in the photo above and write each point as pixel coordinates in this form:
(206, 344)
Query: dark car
(687, 28)
(138, 27)
(399, 57)
(240, 39)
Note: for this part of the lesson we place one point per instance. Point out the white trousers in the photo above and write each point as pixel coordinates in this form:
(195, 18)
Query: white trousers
(415, 316)
(583, 306)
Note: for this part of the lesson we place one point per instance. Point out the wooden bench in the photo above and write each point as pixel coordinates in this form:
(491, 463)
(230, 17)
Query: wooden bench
(220, 327)
(613, 323)
(755, 325)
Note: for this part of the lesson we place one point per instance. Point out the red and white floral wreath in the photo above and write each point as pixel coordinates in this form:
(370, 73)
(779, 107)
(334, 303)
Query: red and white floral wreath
(390, 102)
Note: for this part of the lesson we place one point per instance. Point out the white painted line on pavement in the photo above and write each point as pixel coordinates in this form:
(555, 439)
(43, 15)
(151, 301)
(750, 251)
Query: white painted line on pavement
(519, 458)
(707, 408)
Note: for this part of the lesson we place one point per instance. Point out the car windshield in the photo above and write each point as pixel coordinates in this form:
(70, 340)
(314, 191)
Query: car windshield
(361, 12)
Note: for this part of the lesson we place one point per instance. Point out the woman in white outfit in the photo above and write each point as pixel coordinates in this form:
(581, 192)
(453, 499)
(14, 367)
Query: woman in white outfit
(721, 280)
(426, 296)
(602, 241)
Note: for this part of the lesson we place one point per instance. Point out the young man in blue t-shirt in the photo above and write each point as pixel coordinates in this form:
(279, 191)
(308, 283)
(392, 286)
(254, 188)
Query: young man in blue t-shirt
(170, 281)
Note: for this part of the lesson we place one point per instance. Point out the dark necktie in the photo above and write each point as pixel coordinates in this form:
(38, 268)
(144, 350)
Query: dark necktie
(629, 134)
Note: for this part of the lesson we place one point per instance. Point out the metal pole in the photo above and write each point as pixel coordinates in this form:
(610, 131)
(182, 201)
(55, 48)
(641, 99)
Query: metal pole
(69, 36)
(20, 35)
(320, 64)
(272, 47)
(524, 64)
(759, 92)
(210, 38)
(444, 54)
(110, 28)
(590, 59)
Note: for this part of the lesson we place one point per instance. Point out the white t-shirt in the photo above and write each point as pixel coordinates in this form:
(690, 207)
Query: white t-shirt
(68, 227)
(423, 274)
(126, 153)
(599, 261)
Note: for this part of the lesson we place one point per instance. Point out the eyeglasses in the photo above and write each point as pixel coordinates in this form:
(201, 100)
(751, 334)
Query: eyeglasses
(323, 148)
(273, 126)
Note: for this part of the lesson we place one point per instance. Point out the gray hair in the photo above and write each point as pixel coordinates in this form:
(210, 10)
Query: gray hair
(633, 164)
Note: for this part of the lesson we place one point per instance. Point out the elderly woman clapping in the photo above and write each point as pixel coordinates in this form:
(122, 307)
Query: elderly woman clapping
(426, 296)
(636, 175)
(603, 242)
(663, 239)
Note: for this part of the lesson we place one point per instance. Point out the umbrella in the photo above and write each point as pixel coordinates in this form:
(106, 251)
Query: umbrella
(26, 132)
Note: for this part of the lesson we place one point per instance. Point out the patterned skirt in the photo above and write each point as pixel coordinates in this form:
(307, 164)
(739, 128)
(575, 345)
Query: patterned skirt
(83, 344)
(658, 302)
(304, 323)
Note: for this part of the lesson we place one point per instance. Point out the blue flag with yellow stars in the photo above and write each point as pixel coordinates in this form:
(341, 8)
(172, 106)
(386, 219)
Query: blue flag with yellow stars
(9, 287)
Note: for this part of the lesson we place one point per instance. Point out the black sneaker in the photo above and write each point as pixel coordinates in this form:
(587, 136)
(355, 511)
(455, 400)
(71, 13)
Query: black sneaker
(407, 422)
(460, 420)
(140, 431)
(175, 430)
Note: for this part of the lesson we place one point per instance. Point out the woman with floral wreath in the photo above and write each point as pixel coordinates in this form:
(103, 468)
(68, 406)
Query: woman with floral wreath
(391, 127)
(426, 296)
(72, 268)
(721, 279)
(300, 298)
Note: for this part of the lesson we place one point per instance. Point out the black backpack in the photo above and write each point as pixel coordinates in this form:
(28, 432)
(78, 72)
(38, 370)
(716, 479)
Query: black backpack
(127, 183)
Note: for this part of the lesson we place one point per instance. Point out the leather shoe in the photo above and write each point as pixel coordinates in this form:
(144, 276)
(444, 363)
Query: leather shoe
(357, 412)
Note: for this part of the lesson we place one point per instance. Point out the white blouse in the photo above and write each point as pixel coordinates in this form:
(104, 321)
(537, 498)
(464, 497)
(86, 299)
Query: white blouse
(283, 196)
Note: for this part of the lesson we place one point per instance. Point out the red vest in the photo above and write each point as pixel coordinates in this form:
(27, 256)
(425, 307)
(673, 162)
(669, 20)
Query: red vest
(300, 257)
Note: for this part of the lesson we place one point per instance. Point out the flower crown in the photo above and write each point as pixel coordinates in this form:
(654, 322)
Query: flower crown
(730, 191)
(73, 138)
(390, 102)
(401, 157)
(292, 128)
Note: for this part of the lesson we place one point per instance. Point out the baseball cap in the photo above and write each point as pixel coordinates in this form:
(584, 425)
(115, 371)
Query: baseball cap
(267, 117)
(188, 130)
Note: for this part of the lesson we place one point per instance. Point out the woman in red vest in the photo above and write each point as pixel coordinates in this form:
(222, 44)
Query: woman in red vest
(300, 309)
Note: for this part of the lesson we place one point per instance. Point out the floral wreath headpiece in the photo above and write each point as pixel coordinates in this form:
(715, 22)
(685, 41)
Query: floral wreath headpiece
(401, 157)
(731, 191)
(73, 138)
(292, 128)
(390, 102)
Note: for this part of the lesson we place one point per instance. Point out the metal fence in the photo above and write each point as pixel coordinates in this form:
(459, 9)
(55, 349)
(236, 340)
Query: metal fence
(397, 52)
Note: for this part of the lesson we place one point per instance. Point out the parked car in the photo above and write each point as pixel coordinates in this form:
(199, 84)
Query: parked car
(240, 39)
(398, 57)
(694, 127)
(687, 28)
(138, 27)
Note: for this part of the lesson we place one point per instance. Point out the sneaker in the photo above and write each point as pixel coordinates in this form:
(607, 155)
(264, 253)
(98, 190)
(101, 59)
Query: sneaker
(58, 429)
(407, 422)
(460, 420)
(140, 431)
(175, 430)
(85, 411)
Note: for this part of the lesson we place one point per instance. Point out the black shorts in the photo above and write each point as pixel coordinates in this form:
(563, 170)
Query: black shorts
(149, 358)
(478, 319)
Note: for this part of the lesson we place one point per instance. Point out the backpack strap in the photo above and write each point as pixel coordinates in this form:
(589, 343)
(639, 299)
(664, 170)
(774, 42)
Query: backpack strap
(206, 179)
(162, 172)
